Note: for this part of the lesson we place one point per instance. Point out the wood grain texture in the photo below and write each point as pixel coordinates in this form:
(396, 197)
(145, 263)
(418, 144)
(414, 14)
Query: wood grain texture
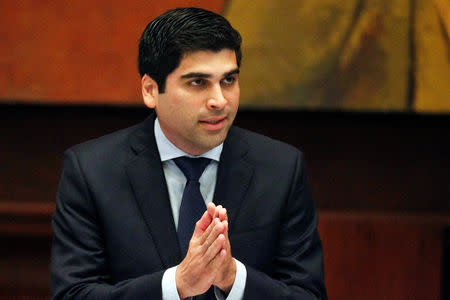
(76, 51)
(366, 55)
(380, 182)
(355, 161)
(24, 267)
(384, 255)
(432, 38)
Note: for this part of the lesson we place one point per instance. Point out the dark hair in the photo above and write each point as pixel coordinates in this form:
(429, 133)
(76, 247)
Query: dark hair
(179, 31)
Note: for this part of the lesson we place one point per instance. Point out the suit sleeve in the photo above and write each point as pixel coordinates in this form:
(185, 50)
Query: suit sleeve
(298, 272)
(79, 268)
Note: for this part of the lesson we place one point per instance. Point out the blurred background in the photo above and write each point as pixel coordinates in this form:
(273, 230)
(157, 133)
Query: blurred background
(362, 87)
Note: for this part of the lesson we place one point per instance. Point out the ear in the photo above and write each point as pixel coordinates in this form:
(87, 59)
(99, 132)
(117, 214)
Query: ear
(149, 91)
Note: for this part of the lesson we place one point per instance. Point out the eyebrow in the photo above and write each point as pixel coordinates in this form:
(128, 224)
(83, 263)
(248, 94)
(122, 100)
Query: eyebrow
(205, 75)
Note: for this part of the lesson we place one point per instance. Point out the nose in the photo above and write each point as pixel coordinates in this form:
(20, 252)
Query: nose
(216, 100)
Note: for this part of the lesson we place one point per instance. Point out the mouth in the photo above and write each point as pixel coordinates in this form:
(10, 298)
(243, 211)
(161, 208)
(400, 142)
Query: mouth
(215, 123)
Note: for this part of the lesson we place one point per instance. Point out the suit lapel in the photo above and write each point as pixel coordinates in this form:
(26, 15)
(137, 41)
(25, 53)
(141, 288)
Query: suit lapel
(233, 176)
(148, 183)
(150, 189)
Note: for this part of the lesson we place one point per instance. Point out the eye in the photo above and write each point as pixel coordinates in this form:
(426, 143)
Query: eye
(197, 82)
(229, 80)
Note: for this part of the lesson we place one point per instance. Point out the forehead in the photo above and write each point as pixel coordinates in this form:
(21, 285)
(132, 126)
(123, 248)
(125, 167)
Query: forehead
(207, 62)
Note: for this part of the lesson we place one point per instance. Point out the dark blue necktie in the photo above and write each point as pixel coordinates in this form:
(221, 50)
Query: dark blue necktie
(192, 203)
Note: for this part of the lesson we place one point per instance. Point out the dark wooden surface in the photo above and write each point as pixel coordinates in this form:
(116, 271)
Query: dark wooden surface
(367, 256)
(383, 255)
(359, 161)
(380, 181)
(76, 51)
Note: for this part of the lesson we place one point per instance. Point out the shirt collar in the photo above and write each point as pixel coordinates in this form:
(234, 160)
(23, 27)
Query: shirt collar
(168, 151)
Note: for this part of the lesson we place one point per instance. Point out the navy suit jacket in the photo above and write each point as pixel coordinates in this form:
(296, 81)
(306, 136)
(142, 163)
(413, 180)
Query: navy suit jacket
(114, 234)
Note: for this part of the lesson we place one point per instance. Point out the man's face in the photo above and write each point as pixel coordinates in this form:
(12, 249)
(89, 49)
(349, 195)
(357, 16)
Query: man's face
(200, 100)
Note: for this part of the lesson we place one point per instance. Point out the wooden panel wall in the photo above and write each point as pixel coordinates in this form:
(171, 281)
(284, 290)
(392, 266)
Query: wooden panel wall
(388, 162)
(380, 181)
(356, 55)
(375, 256)
(76, 51)
(367, 256)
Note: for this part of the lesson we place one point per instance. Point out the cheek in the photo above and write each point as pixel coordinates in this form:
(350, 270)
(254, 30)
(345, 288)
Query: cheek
(233, 96)
(236, 91)
(187, 99)
(185, 110)
(176, 103)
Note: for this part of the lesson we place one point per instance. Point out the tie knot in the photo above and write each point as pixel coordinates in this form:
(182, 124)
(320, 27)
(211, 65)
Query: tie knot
(192, 168)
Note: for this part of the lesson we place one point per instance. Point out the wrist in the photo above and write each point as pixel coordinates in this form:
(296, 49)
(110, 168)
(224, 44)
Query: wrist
(227, 283)
(179, 282)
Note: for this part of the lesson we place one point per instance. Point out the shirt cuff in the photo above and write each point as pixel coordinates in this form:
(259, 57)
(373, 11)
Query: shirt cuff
(237, 290)
(169, 285)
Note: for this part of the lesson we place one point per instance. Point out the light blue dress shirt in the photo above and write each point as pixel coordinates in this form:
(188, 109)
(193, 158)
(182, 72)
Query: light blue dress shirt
(176, 182)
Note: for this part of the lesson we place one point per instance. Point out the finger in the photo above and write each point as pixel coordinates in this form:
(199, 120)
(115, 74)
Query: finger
(211, 208)
(225, 231)
(215, 264)
(224, 219)
(202, 224)
(216, 211)
(215, 232)
(225, 226)
(208, 231)
(216, 247)
(223, 214)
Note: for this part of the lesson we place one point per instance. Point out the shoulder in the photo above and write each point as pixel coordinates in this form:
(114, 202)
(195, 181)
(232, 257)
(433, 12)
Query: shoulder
(109, 144)
(111, 152)
(134, 138)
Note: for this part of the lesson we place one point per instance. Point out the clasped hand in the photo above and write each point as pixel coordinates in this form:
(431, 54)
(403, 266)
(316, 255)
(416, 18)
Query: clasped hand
(208, 260)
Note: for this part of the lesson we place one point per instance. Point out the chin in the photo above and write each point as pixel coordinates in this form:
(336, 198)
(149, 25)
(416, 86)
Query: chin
(213, 142)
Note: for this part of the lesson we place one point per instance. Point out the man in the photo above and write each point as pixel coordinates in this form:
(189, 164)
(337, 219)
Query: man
(125, 201)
